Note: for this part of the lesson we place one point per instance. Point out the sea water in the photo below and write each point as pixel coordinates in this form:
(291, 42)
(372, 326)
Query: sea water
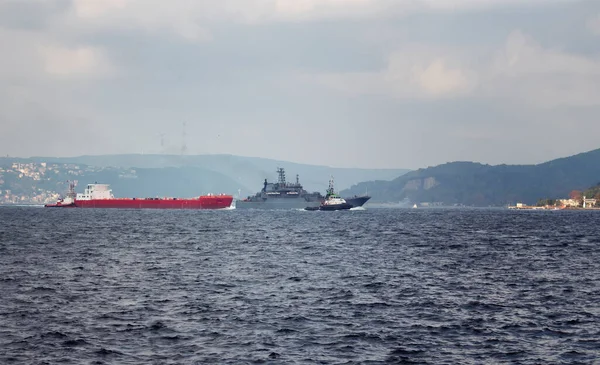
(372, 286)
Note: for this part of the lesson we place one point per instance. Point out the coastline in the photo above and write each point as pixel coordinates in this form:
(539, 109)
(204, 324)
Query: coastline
(549, 208)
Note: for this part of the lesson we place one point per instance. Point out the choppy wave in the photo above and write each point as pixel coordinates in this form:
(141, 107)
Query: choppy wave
(427, 286)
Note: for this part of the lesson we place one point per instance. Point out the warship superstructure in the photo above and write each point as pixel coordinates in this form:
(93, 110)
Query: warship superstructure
(281, 195)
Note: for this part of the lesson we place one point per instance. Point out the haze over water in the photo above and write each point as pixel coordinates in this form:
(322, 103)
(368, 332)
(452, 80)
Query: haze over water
(427, 286)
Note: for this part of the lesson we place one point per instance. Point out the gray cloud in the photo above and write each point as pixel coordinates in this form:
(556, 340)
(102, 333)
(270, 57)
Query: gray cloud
(391, 83)
(33, 15)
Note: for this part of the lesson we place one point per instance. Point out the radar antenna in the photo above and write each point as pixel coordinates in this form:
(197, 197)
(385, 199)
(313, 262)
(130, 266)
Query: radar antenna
(162, 142)
(281, 173)
(330, 190)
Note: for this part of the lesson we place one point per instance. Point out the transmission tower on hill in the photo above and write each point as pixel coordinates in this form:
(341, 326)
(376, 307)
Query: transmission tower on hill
(183, 145)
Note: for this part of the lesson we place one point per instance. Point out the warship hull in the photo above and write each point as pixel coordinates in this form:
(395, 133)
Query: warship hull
(291, 203)
(276, 204)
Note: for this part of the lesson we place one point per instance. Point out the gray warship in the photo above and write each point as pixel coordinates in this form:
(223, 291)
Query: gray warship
(281, 195)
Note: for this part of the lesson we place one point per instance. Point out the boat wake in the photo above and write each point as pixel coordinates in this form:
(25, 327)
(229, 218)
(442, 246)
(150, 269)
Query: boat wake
(358, 208)
(26, 205)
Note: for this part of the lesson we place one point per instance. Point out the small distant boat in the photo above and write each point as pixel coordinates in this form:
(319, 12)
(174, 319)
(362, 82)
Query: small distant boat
(415, 206)
(332, 201)
(66, 202)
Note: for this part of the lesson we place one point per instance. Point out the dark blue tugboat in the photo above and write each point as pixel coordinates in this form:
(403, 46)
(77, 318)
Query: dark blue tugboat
(332, 201)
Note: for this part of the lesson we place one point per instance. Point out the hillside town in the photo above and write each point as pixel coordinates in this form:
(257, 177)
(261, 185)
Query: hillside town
(37, 183)
(34, 182)
(576, 201)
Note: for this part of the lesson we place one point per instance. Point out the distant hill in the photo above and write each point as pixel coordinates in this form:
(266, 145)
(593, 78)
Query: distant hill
(183, 174)
(39, 183)
(477, 184)
(167, 181)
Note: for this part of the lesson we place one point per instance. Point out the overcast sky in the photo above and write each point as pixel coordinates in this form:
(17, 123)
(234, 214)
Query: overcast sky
(346, 83)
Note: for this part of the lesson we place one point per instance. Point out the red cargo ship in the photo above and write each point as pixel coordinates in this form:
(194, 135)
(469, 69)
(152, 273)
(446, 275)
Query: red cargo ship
(100, 196)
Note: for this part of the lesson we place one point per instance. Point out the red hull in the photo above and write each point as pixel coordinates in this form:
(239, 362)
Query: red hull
(203, 202)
